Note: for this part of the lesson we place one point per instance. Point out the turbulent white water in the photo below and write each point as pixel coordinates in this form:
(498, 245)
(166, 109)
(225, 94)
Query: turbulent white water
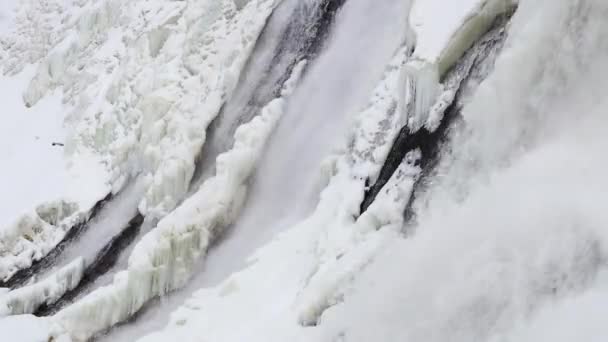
(516, 219)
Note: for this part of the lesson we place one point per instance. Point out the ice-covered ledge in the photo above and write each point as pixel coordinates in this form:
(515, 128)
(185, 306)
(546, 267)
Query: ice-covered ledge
(442, 33)
(445, 30)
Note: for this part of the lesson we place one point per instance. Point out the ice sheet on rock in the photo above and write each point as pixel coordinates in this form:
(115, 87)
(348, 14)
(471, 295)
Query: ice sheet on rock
(445, 30)
(7, 9)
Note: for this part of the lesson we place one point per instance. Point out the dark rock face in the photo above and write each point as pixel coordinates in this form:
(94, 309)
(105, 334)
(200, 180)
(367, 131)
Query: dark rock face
(473, 67)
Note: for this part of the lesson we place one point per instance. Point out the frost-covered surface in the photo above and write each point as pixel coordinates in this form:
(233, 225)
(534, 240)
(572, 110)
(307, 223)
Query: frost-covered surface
(27, 299)
(444, 30)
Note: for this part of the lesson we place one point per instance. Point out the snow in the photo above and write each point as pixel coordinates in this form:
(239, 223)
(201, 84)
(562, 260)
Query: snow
(26, 328)
(438, 45)
(7, 9)
(440, 41)
(432, 36)
(25, 133)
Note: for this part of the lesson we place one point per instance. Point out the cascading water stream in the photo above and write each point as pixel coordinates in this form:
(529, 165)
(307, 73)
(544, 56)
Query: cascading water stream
(282, 190)
(295, 32)
(109, 223)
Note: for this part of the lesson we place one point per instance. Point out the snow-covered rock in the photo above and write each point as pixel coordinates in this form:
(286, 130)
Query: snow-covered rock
(35, 235)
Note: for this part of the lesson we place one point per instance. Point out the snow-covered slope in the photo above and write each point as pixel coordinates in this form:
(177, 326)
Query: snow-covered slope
(428, 171)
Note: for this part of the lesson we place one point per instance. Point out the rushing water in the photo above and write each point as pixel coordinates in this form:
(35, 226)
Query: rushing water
(283, 189)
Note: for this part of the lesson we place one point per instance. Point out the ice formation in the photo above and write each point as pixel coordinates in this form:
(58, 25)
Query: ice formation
(163, 260)
(124, 106)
